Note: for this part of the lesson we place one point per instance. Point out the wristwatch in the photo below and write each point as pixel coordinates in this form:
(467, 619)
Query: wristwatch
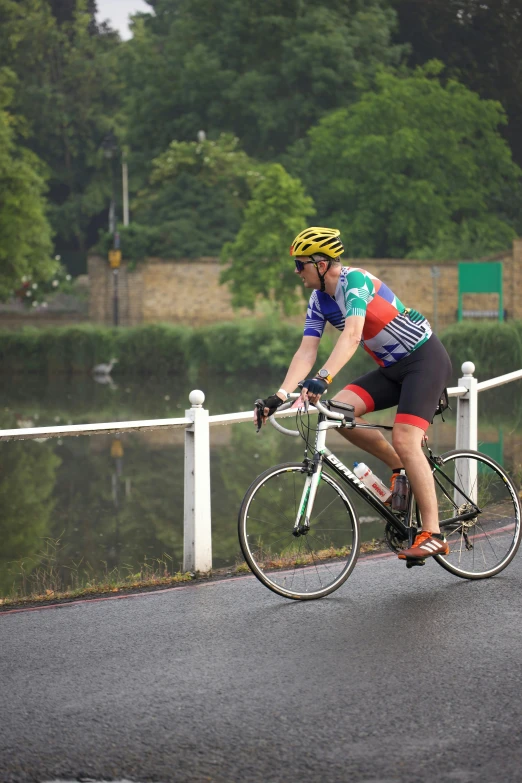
(325, 375)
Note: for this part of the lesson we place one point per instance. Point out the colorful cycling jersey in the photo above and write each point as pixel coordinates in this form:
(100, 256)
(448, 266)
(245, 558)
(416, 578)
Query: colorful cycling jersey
(390, 331)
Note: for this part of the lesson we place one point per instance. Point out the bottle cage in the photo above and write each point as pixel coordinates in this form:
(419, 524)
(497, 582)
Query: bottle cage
(443, 404)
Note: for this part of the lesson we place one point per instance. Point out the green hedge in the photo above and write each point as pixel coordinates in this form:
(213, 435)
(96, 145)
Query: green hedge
(156, 349)
(230, 347)
(494, 348)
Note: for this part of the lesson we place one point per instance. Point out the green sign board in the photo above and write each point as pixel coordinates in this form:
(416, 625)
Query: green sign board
(476, 278)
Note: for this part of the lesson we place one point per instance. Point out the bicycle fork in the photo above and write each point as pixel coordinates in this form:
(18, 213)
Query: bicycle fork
(306, 505)
(315, 469)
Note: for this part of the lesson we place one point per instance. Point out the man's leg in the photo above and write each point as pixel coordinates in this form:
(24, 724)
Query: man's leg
(372, 441)
(407, 440)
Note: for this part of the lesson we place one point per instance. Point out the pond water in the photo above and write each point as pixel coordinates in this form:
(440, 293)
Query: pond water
(75, 508)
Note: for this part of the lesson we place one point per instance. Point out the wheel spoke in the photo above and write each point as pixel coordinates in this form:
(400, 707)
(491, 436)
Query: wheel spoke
(308, 565)
(494, 533)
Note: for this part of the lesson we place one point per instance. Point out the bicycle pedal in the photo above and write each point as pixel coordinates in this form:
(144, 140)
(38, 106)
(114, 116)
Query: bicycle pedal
(414, 561)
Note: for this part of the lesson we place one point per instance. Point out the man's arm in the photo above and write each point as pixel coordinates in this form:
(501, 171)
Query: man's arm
(346, 345)
(302, 363)
(342, 353)
(300, 366)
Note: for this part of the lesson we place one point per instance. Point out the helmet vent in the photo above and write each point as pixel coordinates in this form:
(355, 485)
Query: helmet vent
(331, 241)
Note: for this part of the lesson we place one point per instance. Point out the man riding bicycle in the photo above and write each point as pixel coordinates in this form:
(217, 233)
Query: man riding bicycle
(414, 367)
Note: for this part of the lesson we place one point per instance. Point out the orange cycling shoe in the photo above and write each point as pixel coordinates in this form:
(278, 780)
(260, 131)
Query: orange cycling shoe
(425, 545)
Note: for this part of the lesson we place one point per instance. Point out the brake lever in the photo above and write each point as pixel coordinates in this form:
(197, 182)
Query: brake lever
(306, 402)
(259, 407)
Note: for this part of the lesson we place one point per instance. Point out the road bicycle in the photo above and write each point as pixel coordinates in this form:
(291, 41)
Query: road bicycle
(299, 530)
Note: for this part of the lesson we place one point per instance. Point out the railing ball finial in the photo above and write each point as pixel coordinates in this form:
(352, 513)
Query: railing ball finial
(197, 398)
(468, 368)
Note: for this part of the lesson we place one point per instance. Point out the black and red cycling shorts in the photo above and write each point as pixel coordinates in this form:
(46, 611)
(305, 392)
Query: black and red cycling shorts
(414, 384)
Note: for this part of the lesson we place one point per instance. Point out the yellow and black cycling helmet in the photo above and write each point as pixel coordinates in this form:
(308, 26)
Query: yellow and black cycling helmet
(324, 241)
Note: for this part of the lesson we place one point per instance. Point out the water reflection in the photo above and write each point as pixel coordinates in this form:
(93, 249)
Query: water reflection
(81, 507)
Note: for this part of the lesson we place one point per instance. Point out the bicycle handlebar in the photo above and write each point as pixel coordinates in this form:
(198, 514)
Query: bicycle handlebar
(287, 405)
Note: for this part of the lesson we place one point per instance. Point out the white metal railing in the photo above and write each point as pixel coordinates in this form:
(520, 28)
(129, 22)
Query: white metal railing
(197, 547)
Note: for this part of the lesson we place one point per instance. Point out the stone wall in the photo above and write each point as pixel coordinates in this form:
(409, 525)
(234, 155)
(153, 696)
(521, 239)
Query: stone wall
(189, 292)
(101, 297)
(433, 288)
(185, 292)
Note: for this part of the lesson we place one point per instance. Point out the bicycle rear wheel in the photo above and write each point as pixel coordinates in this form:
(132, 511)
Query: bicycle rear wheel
(313, 564)
(484, 545)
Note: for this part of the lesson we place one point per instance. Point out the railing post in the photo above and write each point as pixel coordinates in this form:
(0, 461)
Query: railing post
(197, 532)
(467, 416)
(467, 410)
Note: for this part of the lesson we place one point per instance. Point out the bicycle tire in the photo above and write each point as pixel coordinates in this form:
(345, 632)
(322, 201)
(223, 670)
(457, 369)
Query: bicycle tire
(287, 565)
(483, 546)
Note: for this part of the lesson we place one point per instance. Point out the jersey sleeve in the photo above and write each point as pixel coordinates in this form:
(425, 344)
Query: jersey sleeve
(358, 290)
(315, 320)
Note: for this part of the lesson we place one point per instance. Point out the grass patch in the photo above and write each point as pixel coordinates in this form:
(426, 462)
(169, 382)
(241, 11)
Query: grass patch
(296, 559)
(96, 589)
(44, 579)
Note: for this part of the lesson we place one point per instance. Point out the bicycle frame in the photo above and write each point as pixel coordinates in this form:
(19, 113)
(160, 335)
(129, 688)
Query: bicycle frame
(406, 527)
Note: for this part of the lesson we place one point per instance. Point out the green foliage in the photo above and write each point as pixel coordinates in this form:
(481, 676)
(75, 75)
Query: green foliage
(27, 478)
(215, 163)
(152, 350)
(31, 293)
(194, 201)
(246, 346)
(67, 91)
(20, 351)
(155, 349)
(264, 70)
(25, 234)
(241, 346)
(494, 348)
(138, 241)
(258, 260)
(478, 42)
(410, 165)
(467, 240)
(160, 350)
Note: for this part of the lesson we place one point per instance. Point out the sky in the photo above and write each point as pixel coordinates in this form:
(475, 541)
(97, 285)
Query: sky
(117, 12)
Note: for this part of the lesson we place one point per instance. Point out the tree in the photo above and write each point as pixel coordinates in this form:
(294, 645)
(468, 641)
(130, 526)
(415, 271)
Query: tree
(480, 44)
(25, 233)
(264, 70)
(67, 91)
(410, 164)
(194, 202)
(258, 263)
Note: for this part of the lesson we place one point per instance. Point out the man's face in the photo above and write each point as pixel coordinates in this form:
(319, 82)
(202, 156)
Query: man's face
(309, 274)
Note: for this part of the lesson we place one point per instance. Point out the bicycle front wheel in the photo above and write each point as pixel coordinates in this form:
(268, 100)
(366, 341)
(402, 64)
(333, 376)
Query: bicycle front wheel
(485, 544)
(312, 564)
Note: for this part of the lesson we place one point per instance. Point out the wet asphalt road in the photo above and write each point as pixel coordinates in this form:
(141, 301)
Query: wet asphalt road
(399, 676)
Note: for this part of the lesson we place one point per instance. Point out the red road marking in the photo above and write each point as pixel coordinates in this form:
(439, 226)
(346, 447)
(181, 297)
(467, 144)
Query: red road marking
(361, 561)
(155, 592)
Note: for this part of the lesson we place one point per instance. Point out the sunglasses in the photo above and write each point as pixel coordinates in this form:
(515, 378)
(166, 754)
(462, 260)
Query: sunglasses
(300, 265)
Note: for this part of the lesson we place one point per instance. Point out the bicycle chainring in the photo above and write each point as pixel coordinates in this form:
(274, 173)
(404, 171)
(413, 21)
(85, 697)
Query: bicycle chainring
(394, 540)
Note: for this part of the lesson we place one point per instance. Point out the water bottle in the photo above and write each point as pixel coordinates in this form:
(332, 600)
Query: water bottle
(371, 481)
(401, 493)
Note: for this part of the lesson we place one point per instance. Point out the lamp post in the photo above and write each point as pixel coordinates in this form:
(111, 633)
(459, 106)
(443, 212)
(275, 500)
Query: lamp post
(125, 189)
(110, 146)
